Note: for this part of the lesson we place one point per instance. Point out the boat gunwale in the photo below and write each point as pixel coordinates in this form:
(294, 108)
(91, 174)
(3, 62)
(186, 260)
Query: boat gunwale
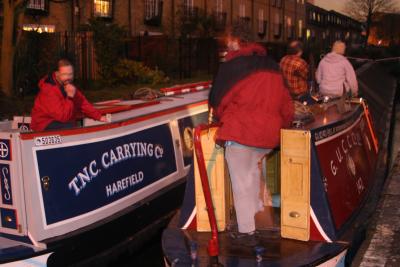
(112, 125)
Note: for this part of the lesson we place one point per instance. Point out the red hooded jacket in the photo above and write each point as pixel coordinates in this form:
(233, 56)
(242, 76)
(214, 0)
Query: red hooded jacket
(52, 104)
(254, 110)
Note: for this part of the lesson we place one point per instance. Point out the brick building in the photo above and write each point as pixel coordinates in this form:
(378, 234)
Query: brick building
(270, 20)
(325, 26)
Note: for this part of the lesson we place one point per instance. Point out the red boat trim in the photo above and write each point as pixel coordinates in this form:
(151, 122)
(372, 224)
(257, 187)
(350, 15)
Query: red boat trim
(191, 85)
(118, 108)
(370, 125)
(190, 221)
(108, 102)
(319, 226)
(96, 128)
(213, 247)
(186, 88)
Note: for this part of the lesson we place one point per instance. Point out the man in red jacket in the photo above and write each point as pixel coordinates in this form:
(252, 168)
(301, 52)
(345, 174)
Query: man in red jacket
(59, 102)
(251, 102)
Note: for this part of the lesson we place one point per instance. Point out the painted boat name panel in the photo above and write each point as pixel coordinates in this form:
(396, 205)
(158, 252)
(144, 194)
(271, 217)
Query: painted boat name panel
(347, 163)
(83, 177)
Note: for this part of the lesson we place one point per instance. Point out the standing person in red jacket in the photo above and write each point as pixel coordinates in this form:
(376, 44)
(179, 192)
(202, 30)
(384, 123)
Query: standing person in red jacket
(59, 102)
(251, 102)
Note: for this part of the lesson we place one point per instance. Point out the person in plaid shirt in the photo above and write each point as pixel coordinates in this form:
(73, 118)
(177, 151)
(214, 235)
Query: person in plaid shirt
(295, 72)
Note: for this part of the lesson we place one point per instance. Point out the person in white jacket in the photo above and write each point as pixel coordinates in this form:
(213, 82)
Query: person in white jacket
(335, 73)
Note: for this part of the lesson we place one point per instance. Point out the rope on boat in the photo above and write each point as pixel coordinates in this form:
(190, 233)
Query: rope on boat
(147, 94)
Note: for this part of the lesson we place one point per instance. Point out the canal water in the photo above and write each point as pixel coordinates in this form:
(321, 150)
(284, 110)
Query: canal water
(149, 255)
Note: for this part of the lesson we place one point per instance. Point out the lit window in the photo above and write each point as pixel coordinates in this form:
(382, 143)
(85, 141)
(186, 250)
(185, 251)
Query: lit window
(308, 34)
(39, 28)
(37, 4)
(289, 21)
(152, 9)
(300, 28)
(103, 8)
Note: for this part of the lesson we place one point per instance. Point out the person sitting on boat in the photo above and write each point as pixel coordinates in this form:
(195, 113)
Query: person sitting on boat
(295, 71)
(252, 103)
(335, 72)
(59, 103)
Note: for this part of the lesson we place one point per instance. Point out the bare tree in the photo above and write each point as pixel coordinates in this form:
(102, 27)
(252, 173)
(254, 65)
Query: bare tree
(12, 15)
(364, 10)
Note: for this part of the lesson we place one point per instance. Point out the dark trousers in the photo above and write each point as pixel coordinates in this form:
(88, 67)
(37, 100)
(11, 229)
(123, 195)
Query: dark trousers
(54, 125)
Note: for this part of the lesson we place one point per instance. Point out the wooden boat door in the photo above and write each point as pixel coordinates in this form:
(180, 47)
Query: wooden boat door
(295, 184)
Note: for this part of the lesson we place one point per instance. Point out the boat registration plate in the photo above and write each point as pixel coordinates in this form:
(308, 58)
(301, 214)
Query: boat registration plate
(47, 140)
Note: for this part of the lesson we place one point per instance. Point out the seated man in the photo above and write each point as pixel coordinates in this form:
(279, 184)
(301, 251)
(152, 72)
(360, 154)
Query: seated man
(295, 71)
(59, 103)
(335, 73)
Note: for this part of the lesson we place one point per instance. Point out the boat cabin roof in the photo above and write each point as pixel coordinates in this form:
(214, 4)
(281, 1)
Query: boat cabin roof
(122, 110)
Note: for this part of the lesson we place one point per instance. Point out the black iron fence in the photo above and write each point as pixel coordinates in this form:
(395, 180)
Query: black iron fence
(37, 55)
(178, 58)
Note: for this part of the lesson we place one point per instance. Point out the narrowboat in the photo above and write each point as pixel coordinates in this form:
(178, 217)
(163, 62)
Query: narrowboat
(320, 187)
(76, 196)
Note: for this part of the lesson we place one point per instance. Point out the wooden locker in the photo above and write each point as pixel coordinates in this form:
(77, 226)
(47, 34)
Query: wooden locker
(219, 183)
(295, 184)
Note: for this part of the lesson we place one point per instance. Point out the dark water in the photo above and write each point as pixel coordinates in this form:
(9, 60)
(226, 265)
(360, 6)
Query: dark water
(150, 254)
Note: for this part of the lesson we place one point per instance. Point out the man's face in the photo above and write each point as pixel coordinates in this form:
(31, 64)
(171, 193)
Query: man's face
(232, 44)
(65, 74)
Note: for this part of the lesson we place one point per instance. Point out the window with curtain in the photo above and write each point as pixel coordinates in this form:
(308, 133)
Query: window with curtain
(152, 12)
(300, 34)
(242, 10)
(277, 25)
(219, 6)
(261, 22)
(37, 7)
(219, 15)
(37, 4)
(188, 8)
(152, 8)
(103, 8)
(289, 27)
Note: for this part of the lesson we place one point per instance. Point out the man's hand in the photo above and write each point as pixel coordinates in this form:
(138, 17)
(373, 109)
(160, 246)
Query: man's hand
(103, 119)
(70, 89)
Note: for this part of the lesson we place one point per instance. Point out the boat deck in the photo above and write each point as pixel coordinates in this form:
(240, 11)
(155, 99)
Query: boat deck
(277, 251)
